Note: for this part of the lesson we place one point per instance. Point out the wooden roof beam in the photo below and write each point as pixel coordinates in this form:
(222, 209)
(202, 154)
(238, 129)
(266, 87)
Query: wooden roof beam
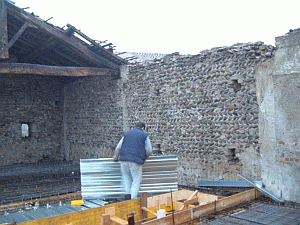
(62, 37)
(38, 51)
(36, 69)
(18, 34)
(3, 31)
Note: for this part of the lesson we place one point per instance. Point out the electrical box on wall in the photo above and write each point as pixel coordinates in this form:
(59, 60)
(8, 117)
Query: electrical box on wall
(25, 129)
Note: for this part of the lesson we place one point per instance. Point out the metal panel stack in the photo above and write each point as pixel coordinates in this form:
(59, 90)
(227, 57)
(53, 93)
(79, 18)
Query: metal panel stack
(101, 178)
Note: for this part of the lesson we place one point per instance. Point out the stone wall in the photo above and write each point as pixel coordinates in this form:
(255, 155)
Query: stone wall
(278, 90)
(92, 118)
(202, 108)
(37, 101)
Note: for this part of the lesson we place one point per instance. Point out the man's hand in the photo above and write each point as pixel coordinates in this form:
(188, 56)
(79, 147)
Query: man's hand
(115, 158)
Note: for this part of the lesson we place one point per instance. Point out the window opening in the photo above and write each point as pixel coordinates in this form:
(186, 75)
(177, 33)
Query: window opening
(25, 130)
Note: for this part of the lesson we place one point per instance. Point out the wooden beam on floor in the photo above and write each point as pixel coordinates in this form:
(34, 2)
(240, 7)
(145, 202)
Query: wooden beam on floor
(3, 31)
(34, 69)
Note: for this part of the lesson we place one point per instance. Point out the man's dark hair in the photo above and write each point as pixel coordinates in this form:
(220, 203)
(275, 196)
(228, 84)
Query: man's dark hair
(141, 125)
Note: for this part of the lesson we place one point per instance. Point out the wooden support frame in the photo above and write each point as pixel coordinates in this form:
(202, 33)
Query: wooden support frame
(144, 204)
(186, 215)
(18, 34)
(192, 199)
(148, 210)
(38, 51)
(4, 54)
(112, 217)
(118, 212)
(70, 41)
(23, 68)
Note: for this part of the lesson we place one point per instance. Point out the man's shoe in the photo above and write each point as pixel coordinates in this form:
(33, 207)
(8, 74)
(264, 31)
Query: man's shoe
(127, 196)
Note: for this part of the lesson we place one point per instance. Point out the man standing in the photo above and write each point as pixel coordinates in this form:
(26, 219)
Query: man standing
(132, 151)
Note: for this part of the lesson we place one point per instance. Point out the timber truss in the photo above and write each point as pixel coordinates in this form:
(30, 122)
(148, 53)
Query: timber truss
(30, 45)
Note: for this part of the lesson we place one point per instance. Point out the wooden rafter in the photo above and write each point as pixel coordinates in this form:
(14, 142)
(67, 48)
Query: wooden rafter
(3, 31)
(38, 51)
(18, 34)
(21, 68)
(71, 41)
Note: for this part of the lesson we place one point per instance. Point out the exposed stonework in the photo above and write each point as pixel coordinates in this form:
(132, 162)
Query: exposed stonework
(38, 101)
(92, 118)
(202, 108)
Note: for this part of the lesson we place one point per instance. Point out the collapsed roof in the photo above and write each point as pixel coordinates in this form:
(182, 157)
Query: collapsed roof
(27, 40)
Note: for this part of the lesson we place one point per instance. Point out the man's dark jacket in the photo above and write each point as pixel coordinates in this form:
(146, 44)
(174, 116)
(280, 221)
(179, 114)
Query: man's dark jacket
(133, 146)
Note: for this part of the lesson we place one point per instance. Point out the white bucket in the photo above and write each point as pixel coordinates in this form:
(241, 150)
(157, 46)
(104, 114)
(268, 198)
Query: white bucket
(161, 213)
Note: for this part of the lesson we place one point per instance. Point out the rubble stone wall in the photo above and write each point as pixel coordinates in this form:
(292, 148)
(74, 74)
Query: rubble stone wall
(38, 102)
(202, 108)
(92, 118)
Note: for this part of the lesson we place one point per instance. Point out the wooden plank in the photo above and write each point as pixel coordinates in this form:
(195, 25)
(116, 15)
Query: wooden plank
(157, 204)
(111, 211)
(18, 34)
(149, 211)
(191, 197)
(92, 216)
(118, 220)
(190, 201)
(22, 68)
(169, 201)
(3, 31)
(105, 219)
(71, 41)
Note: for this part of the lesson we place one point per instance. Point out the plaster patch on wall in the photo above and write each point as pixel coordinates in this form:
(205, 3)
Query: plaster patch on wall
(267, 110)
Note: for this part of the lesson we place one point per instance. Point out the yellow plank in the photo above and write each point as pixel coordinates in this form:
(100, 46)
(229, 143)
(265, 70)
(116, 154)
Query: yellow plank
(77, 202)
(92, 216)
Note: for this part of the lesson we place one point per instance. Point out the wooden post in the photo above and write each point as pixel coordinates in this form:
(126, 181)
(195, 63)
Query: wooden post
(3, 31)
(169, 202)
(105, 219)
(157, 205)
(143, 204)
(131, 219)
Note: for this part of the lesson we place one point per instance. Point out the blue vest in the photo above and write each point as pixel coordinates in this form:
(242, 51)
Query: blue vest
(133, 146)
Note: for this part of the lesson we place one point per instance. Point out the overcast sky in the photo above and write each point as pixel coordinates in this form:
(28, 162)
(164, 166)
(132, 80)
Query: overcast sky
(167, 26)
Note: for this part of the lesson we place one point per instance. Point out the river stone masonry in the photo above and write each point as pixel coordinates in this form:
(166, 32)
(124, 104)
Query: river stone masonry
(202, 108)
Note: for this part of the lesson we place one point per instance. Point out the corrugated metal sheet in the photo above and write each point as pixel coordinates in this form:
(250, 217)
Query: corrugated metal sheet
(101, 178)
(226, 183)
